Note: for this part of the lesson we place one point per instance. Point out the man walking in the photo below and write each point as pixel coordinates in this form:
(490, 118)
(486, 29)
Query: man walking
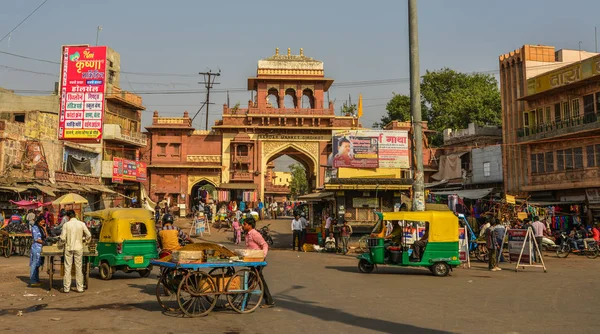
(274, 209)
(538, 231)
(304, 228)
(491, 240)
(346, 232)
(296, 231)
(260, 207)
(72, 235)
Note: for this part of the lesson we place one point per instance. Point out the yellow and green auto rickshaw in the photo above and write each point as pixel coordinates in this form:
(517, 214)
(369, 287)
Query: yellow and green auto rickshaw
(437, 247)
(126, 241)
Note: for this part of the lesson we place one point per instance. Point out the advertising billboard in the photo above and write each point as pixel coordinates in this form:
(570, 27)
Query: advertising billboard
(129, 170)
(390, 150)
(82, 88)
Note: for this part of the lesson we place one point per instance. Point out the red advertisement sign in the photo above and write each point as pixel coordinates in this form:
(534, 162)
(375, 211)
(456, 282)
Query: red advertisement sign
(142, 173)
(117, 173)
(129, 170)
(82, 87)
(355, 151)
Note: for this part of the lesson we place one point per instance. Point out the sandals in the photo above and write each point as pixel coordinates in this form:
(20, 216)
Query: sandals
(267, 305)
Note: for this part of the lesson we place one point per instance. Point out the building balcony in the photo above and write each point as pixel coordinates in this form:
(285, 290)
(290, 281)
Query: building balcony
(577, 124)
(114, 132)
(61, 176)
(278, 111)
(241, 159)
(241, 176)
(125, 98)
(277, 189)
(566, 179)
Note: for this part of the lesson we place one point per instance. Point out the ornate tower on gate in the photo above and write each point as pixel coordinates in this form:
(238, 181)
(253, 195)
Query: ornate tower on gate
(289, 82)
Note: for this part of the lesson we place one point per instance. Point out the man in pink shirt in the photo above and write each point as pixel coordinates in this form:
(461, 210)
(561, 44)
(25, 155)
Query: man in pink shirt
(254, 240)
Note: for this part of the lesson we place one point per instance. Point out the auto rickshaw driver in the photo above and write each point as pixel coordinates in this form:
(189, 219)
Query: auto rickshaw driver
(169, 236)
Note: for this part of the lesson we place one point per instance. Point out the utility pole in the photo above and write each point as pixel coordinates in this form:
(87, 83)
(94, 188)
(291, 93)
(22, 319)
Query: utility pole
(209, 81)
(418, 202)
(98, 34)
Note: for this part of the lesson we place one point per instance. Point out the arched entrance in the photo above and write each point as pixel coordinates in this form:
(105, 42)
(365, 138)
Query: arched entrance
(202, 189)
(305, 154)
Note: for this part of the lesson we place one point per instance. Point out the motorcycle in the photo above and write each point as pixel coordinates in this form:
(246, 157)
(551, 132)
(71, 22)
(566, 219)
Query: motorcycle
(265, 232)
(592, 251)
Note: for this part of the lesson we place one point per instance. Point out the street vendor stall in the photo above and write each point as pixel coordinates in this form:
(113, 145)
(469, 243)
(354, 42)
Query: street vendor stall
(185, 287)
(54, 260)
(73, 202)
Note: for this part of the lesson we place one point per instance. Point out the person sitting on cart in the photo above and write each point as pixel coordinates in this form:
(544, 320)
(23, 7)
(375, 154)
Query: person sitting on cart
(254, 240)
(169, 236)
(419, 245)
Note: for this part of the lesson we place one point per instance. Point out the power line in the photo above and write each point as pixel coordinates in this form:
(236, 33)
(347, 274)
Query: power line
(23, 21)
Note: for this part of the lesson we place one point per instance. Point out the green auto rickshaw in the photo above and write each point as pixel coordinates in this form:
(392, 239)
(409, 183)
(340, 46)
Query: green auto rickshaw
(438, 248)
(126, 241)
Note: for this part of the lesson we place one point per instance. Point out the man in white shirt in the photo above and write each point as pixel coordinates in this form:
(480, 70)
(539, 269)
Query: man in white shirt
(72, 235)
(484, 228)
(327, 225)
(538, 232)
(296, 231)
(274, 210)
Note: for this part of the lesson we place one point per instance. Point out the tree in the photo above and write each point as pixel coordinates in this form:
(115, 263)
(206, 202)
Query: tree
(347, 110)
(398, 109)
(298, 182)
(451, 99)
(456, 99)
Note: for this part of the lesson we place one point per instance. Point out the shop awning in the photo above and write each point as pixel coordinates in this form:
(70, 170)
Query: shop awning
(15, 189)
(379, 187)
(46, 190)
(100, 188)
(466, 193)
(237, 186)
(316, 196)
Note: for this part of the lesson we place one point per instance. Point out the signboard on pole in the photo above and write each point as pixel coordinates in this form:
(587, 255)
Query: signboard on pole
(391, 148)
(142, 171)
(516, 238)
(82, 88)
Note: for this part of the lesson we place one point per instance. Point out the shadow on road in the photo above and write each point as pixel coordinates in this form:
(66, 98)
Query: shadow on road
(383, 270)
(331, 314)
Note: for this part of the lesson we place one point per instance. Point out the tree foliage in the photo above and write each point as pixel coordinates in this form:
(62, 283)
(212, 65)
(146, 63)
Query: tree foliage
(451, 99)
(298, 182)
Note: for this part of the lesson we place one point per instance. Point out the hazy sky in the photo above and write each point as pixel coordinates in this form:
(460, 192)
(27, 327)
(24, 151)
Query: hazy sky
(356, 40)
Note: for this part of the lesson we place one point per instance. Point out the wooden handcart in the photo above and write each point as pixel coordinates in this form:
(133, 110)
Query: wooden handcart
(186, 288)
(54, 262)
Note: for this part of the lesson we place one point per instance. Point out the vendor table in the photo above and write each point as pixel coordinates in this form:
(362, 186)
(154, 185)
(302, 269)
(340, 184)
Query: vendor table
(56, 258)
(186, 288)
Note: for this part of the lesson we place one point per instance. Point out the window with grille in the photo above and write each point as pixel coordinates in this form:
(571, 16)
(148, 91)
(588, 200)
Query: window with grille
(560, 160)
(569, 158)
(549, 162)
(548, 116)
(575, 107)
(590, 157)
(540, 162)
(533, 163)
(566, 111)
(557, 112)
(486, 169)
(578, 157)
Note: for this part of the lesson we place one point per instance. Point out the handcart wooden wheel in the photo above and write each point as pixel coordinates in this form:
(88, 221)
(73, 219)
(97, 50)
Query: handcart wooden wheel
(185, 288)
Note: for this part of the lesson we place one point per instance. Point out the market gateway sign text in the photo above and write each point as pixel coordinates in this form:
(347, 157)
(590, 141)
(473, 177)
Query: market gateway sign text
(82, 87)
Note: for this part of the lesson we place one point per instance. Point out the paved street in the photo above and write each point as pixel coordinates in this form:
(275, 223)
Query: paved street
(325, 293)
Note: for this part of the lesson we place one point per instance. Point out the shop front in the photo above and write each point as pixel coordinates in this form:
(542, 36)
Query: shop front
(357, 200)
(320, 206)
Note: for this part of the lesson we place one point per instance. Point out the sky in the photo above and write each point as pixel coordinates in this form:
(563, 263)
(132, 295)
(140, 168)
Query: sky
(358, 41)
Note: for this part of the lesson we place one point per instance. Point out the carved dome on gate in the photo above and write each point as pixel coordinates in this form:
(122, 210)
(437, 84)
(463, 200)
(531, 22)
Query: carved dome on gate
(283, 64)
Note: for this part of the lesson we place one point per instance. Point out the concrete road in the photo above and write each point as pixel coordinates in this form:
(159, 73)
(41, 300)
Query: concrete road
(324, 293)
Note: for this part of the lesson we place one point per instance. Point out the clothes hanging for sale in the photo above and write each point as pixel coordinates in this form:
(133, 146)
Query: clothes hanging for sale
(223, 195)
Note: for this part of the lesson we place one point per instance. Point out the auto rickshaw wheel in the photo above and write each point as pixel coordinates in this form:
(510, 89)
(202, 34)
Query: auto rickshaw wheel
(365, 266)
(146, 272)
(105, 271)
(440, 269)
